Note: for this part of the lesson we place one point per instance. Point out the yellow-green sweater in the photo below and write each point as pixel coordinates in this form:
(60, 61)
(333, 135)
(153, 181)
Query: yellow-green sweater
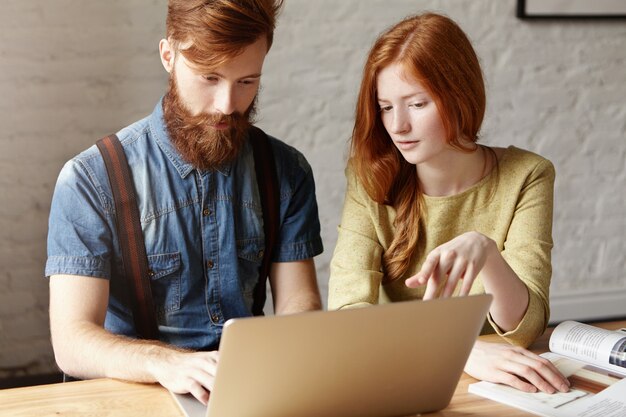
(517, 215)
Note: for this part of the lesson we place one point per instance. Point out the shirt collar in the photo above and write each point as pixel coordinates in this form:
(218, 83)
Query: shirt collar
(159, 132)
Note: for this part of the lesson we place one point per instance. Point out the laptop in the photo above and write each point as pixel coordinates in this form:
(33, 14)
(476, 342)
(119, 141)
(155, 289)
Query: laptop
(393, 359)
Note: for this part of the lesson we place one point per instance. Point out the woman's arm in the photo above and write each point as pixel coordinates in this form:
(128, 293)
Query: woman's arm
(517, 274)
(355, 269)
(463, 258)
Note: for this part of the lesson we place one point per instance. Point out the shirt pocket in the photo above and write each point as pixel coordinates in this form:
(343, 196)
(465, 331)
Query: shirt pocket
(250, 254)
(165, 275)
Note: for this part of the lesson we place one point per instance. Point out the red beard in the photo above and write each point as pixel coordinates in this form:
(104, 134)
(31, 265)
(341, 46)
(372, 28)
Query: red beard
(195, 138)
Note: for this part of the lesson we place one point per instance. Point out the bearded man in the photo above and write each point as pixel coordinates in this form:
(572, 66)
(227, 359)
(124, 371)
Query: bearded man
(194, 175)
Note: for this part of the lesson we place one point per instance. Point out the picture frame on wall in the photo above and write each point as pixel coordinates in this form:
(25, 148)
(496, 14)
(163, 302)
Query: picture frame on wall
(568, 9)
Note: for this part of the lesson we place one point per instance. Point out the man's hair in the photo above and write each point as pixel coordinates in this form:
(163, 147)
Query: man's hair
(433, 50)
(210, 32)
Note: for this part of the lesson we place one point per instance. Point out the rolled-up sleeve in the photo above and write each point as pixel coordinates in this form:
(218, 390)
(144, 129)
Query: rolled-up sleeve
(79, 227)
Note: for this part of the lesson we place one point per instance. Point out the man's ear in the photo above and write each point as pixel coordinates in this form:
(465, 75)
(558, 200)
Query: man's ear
(167, 54)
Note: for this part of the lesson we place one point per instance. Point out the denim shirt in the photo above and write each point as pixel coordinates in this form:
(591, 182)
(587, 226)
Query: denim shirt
(203, 231)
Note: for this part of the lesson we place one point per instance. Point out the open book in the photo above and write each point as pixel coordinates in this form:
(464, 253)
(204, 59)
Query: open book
(594, 361)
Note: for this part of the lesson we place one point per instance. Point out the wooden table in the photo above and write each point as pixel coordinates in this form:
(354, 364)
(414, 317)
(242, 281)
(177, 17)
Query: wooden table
(112, 398)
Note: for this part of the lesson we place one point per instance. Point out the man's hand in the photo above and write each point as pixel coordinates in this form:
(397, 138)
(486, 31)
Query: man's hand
(186, 372)
(516, 367)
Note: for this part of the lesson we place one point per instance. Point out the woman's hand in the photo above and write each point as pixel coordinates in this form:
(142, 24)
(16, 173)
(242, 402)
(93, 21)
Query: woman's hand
(516, 367)
(461, 258)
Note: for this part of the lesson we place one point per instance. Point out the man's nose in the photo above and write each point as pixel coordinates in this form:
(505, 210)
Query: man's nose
(224, 101)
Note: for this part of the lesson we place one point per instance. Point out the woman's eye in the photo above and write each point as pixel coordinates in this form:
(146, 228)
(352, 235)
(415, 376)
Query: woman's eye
(419, 105)
(385, 109)
(211, 78)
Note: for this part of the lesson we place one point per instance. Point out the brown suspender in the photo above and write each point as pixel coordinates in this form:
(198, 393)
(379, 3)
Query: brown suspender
(130, 235)
(267, 182)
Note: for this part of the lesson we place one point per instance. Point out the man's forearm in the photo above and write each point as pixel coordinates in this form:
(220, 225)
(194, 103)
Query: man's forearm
(89, 351)
(300, 302)
(294, 287)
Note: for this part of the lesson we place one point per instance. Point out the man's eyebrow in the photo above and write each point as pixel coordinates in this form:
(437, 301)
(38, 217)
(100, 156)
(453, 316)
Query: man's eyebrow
(255, 75)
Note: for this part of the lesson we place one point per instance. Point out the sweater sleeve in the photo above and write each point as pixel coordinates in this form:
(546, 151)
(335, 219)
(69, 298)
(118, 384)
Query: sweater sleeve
(527, 250)
(355, 269)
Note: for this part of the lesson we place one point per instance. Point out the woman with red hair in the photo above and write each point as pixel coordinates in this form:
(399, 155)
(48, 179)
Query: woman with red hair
(431, 213)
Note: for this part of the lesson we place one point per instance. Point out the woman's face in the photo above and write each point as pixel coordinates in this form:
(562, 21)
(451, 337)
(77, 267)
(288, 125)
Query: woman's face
(410, 115)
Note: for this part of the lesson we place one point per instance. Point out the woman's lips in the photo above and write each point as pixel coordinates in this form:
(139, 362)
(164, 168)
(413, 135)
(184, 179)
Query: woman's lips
(406, 144)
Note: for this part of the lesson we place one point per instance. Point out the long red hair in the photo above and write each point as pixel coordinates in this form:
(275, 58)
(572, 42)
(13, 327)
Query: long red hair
(434, 50)
(211, 32)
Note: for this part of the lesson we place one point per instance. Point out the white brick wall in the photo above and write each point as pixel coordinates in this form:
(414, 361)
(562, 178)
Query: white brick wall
(74, 70)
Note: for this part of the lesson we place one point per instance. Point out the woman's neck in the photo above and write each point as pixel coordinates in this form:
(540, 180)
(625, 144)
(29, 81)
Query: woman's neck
(453, 172)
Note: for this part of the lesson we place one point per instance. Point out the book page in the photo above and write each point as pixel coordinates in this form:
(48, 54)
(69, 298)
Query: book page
(601, 347)
(594, 392)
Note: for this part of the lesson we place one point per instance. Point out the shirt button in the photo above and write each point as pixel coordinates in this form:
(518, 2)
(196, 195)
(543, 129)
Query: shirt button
(215, 318)
(150, 273)
(210, 264)
(261, 253)
(206, 212)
